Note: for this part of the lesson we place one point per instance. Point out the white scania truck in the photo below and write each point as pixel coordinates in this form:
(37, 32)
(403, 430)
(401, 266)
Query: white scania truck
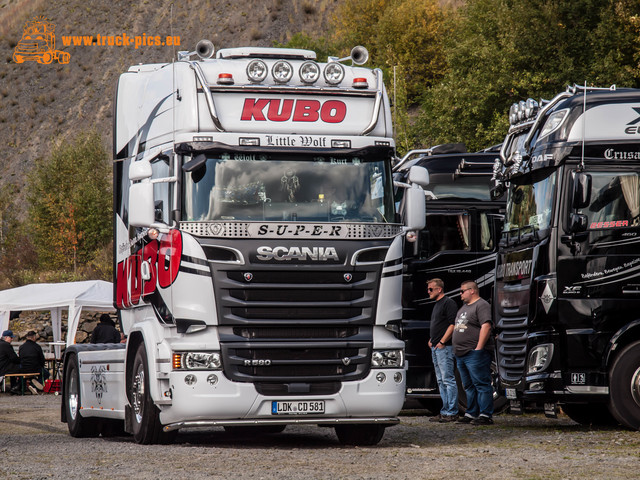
(258, 254)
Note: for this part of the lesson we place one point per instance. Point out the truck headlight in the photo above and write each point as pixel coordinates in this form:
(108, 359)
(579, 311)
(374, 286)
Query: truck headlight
(540, 358)
(387, 358)
(197, 361)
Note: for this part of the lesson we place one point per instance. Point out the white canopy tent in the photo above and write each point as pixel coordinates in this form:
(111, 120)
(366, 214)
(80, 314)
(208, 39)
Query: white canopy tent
(95, 295)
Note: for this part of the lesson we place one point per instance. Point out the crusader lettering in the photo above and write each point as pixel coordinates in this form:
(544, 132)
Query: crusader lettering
(322, 254)
(331, 111)
(163, 257)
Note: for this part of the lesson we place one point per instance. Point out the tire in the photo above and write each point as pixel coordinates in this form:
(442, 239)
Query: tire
(47, 58)
(360, 435)
(18, 58)
(79, 426)
(145, 420)
(252, 430)
(624, 386)
(591, 414)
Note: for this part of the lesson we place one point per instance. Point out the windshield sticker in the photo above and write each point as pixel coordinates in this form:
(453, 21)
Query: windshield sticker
(611, 224)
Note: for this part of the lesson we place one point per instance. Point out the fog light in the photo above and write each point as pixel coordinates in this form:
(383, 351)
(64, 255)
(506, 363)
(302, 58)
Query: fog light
(536, 386)
(381, 377)
(212, 379)
(190, 379)
(397, 377)
(540, 358)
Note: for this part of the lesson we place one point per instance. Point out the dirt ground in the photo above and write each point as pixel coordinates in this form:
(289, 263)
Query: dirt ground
(34, 444)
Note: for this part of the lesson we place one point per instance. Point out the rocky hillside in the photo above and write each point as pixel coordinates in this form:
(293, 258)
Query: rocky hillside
(41, 103)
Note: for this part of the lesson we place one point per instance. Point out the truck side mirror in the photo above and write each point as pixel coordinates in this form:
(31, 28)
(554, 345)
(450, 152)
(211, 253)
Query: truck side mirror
(141, 205)
(581, 190)
(415, 209)
(140, 170)
(577, 223)
(419, 176)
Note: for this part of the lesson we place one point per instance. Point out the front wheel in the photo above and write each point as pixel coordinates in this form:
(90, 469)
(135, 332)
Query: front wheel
(624, 386)
(79, 426)
(146, 425)
(361, 435)
(594, 414)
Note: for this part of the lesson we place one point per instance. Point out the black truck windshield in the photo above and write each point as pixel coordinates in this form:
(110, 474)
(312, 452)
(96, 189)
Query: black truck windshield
(530, 204)
(276, 187)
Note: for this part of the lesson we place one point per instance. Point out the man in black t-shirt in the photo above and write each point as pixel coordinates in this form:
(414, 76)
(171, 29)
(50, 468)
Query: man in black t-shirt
(473, 347)
(440, 331)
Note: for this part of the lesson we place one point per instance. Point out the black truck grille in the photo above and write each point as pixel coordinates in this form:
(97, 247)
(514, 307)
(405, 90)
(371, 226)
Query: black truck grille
(272, 297)
(292, 330)
(313, 362)
(511, 343)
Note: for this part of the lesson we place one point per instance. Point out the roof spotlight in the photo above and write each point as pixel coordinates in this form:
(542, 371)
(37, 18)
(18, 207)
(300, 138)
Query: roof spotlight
(257, 71)
(333, 73)
(282, 71)
(309, 72)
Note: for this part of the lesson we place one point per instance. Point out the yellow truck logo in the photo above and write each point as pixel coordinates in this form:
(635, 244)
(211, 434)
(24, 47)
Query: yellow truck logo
(38, 43)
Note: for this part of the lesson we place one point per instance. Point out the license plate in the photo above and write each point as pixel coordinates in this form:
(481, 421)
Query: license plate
(297, 407)
(510, 393)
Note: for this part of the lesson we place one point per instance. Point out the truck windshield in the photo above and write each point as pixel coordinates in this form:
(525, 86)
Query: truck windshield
(530, 205)
(277, 187)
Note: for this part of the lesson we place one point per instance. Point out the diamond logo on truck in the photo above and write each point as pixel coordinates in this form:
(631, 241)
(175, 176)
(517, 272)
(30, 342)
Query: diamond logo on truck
(248, 276)
(348, 277)
(547, 298)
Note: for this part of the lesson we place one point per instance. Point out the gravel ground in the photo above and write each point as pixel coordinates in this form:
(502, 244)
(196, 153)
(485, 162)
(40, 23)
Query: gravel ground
(34, 444)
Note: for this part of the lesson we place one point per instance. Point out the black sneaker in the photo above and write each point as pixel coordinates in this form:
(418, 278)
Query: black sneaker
(466, 419)
(448, 418)
(482, 420)
(437, 418)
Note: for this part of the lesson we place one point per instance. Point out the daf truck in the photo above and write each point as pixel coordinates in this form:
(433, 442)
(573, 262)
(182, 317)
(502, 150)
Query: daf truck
(567, 296)
(258, 253)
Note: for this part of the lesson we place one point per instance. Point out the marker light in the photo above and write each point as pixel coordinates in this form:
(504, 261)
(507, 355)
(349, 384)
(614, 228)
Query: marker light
(309, 72)
(225, 79)
(282, 71)
(257, 71)
(360, 83)
(333, 73)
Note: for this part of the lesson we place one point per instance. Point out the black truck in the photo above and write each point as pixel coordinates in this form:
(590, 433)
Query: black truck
(567, 294)
(458, 243)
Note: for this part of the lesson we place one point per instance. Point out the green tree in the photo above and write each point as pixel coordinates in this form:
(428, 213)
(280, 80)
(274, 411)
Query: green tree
(70, 203)
(398, 33)
(503, 51)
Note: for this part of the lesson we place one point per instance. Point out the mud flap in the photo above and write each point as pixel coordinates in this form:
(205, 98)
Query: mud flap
(551, 410)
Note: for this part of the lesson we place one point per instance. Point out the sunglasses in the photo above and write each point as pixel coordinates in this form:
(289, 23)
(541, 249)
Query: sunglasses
(432, 289)
(466, 289)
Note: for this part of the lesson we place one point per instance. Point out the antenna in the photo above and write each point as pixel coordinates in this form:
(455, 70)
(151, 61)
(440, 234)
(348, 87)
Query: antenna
(584, 123)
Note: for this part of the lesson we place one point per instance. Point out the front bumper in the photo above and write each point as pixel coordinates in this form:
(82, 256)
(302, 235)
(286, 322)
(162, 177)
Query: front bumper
(231, 403)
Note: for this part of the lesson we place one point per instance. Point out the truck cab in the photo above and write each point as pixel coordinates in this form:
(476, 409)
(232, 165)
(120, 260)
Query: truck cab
(458, 243)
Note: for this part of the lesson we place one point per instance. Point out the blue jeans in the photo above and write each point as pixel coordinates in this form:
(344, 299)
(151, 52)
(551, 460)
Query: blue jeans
(475, 373)
(444, 367)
